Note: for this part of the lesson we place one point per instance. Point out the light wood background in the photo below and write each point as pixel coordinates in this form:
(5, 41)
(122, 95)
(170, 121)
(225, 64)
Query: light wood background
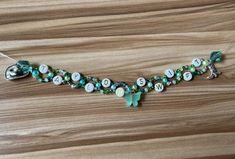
(121, 40)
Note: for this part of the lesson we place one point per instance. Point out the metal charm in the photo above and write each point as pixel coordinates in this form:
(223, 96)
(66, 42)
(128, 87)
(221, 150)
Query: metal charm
(19, 70)
(214, 73)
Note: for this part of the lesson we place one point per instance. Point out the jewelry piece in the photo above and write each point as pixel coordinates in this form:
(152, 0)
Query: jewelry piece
(132, 95)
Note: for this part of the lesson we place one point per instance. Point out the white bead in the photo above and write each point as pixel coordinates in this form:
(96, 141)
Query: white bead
(120, 92)
(57, 80)
(43, 68)
(159, 87)
(197, 62)
(141, 82)
(187, 76)
(76, 76)
(170, 73)
(89, 87)
(106, 83)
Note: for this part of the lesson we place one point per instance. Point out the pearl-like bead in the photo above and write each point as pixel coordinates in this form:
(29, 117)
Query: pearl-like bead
(76, 76)
(170, 73)
(120, 92)
(57, 80)
(43, 68)
(159, 87)
(106, 83)
(141, 81)
(89, 87)
(187, 76)
(197, 62)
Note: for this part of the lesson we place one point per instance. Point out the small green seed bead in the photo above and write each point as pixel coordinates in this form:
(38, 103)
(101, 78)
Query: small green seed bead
(203, 70)
(178, 78)
(174, 82)
(157, 77)
(146, 90)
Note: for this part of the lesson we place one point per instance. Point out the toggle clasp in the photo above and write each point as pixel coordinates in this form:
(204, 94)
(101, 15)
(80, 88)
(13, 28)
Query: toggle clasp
(19, 70)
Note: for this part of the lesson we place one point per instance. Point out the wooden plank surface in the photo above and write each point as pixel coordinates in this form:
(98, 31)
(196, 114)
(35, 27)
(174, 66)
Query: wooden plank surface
(121, 40)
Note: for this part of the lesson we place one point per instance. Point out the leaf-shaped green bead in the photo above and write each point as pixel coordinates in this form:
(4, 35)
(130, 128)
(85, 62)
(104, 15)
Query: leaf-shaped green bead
(216, 56)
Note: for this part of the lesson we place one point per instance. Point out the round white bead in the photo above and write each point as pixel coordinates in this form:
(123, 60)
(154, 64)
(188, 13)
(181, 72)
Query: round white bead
(76, 76)
(197, 62)
(159, 87)
(170, 73)
(106, 83)
(43, 68)
(141, 81)
(89, 87)
(120, 92)
(57, 80)
(187, 76)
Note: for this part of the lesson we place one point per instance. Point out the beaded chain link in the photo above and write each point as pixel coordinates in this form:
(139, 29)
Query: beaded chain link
(132, 94)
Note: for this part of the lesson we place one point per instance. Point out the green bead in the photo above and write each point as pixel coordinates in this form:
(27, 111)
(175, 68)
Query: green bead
(157, 77)
(178, 74)
(203, 70)
(98, 86)
(113, 87)
(128, 89)
(39, 79)
(24, 66)
(216, 56)
(66, 78)
(134, 87)
(178, 78)
(205, 63)
(146, 90)
(174, 82)
(150, 84)
(192, 69)
(50, 75)
(164, 80)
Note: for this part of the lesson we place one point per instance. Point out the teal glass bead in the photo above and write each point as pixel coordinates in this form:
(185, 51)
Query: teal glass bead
(164, 80)
(50, 75)
(35, 73)
(98, 86)
(113, 87)
(128, 89)
(82, 82)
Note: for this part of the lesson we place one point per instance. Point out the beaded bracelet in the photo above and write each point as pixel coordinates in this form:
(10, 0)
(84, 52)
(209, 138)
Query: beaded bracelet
(132, 95)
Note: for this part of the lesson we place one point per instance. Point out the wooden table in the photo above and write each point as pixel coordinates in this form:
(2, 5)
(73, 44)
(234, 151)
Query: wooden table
(121, 40)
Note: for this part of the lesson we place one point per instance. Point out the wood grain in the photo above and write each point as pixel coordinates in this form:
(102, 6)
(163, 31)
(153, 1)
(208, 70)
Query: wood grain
(121, 40)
